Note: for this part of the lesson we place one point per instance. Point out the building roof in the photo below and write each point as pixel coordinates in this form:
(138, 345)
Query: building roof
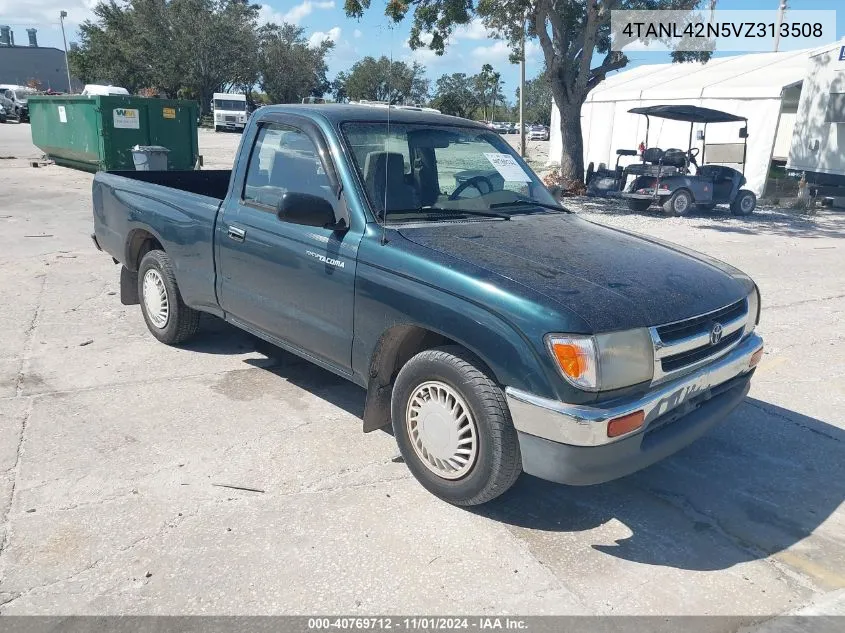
(751, 76)
(25, 47)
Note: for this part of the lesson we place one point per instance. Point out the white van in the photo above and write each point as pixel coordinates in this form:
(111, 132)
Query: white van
(230, 111)
(95, 89)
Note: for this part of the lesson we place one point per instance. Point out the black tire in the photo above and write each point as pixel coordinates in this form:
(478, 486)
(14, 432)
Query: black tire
(497, 462)
(638, 205)
(679, 203)
(744, 203)
(181, 322)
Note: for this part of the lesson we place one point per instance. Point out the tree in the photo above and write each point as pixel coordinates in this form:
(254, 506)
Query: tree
(488, 90)
(538, 99)
(338, 88)
(179, 47)
(454, 95)
(106, 51)
(570, 33)
(289, 69)
(384, 80)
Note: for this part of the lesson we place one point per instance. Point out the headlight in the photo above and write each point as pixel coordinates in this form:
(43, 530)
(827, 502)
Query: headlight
(604, 361)
(753, 310)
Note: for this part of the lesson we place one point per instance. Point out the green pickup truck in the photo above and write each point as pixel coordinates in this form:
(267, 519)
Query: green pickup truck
(418, 256)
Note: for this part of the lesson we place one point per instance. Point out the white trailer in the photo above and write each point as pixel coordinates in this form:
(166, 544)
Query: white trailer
(230, 111)
(818, 138)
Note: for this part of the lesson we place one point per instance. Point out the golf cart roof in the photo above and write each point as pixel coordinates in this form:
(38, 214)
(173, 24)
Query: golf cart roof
(691, 114)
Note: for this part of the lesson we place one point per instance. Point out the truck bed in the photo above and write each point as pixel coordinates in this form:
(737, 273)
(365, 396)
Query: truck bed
(176, 208)
(213, 183)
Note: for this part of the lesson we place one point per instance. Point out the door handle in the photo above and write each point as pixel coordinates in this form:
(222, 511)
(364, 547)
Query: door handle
(237, 234)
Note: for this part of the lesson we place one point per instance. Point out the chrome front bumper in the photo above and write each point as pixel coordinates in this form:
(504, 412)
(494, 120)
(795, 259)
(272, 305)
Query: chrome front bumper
(578, 425)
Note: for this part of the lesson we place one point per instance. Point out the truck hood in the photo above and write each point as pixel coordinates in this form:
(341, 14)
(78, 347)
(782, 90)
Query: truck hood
(613, 280)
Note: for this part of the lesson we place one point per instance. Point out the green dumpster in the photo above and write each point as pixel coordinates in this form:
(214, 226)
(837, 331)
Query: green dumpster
(95, 133)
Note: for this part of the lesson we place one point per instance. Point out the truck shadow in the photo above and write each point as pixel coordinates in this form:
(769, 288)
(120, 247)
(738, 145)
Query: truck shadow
(756, 485)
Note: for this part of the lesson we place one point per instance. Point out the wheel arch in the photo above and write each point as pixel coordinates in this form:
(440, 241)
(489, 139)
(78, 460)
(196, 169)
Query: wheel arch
(139, 242)
(395, 347)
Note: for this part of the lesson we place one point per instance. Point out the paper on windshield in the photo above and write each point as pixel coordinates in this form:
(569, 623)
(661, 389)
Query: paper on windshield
(507, 167)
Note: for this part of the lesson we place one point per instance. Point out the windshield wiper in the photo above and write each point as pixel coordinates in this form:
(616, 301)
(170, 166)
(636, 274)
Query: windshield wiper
(483, 214)
(434, 212)
(523, 202)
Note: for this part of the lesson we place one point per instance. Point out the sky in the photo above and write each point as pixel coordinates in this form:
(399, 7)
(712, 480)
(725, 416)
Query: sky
(469, 47)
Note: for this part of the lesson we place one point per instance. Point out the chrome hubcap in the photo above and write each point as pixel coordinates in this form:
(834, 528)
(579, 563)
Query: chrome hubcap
(681, 204)
(745, 204)
(155, 298)
(442, 430)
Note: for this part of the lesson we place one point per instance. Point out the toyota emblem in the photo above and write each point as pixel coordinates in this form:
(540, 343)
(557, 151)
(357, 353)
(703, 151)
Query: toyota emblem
(716, 334)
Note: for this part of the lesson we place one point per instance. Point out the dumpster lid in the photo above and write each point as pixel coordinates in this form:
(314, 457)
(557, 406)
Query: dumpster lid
(149, 148)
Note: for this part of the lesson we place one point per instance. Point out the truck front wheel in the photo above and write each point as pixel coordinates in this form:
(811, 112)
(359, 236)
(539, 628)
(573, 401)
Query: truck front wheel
(453, 427)
(167, 316)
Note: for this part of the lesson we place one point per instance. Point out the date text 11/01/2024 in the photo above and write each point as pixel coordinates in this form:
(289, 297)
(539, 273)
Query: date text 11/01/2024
(703, 30)
(418, 623)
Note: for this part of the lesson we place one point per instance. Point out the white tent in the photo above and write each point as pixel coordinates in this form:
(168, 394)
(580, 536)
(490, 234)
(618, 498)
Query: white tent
(753, 86)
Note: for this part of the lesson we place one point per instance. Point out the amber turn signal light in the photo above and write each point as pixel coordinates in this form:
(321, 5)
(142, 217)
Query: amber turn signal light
(625, 424)
(571, 359)
(755, 358)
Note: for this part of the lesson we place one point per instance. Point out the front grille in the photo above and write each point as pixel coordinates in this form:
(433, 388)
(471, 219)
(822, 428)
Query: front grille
(690, 327)
(687, 344)
(679, 361)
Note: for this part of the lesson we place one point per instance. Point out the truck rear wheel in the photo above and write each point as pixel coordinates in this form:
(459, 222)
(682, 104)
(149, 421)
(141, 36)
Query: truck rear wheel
(166, 315)
(453, 427)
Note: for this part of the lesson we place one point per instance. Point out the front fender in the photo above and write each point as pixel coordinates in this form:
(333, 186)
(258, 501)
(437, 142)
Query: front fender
(385, 300)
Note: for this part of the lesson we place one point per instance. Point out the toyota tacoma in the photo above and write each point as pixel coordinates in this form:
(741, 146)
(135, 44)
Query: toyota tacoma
(417, 255)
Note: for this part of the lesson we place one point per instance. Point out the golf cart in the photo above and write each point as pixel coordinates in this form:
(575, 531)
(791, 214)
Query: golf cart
(673, 178)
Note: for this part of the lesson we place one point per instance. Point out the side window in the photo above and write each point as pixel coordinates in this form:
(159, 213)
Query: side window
(284, 159)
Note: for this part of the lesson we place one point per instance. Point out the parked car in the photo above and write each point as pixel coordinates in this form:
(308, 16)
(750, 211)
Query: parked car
(538, 133)
(17, 97)
(6, 105)
(2, 114)
(493, 329)
(501, 127)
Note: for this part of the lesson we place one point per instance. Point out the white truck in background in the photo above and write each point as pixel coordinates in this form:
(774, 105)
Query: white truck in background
(818, 140)
(230, 111)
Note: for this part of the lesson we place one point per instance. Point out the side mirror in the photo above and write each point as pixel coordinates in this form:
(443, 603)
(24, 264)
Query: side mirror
(306, 209)
(743, 132)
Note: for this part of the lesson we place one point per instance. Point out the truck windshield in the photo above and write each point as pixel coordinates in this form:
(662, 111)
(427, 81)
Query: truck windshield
(230, 105)
(428, 172)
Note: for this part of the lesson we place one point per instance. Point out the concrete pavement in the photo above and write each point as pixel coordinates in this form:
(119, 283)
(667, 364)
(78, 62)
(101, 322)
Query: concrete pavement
(123, 461)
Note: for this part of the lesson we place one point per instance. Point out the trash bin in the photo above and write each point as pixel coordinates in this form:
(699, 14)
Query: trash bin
(96, 133)
(150, 157)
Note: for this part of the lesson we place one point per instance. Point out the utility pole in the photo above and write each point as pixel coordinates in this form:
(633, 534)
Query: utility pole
(522, 93)
(781, 11)
(62, 16)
